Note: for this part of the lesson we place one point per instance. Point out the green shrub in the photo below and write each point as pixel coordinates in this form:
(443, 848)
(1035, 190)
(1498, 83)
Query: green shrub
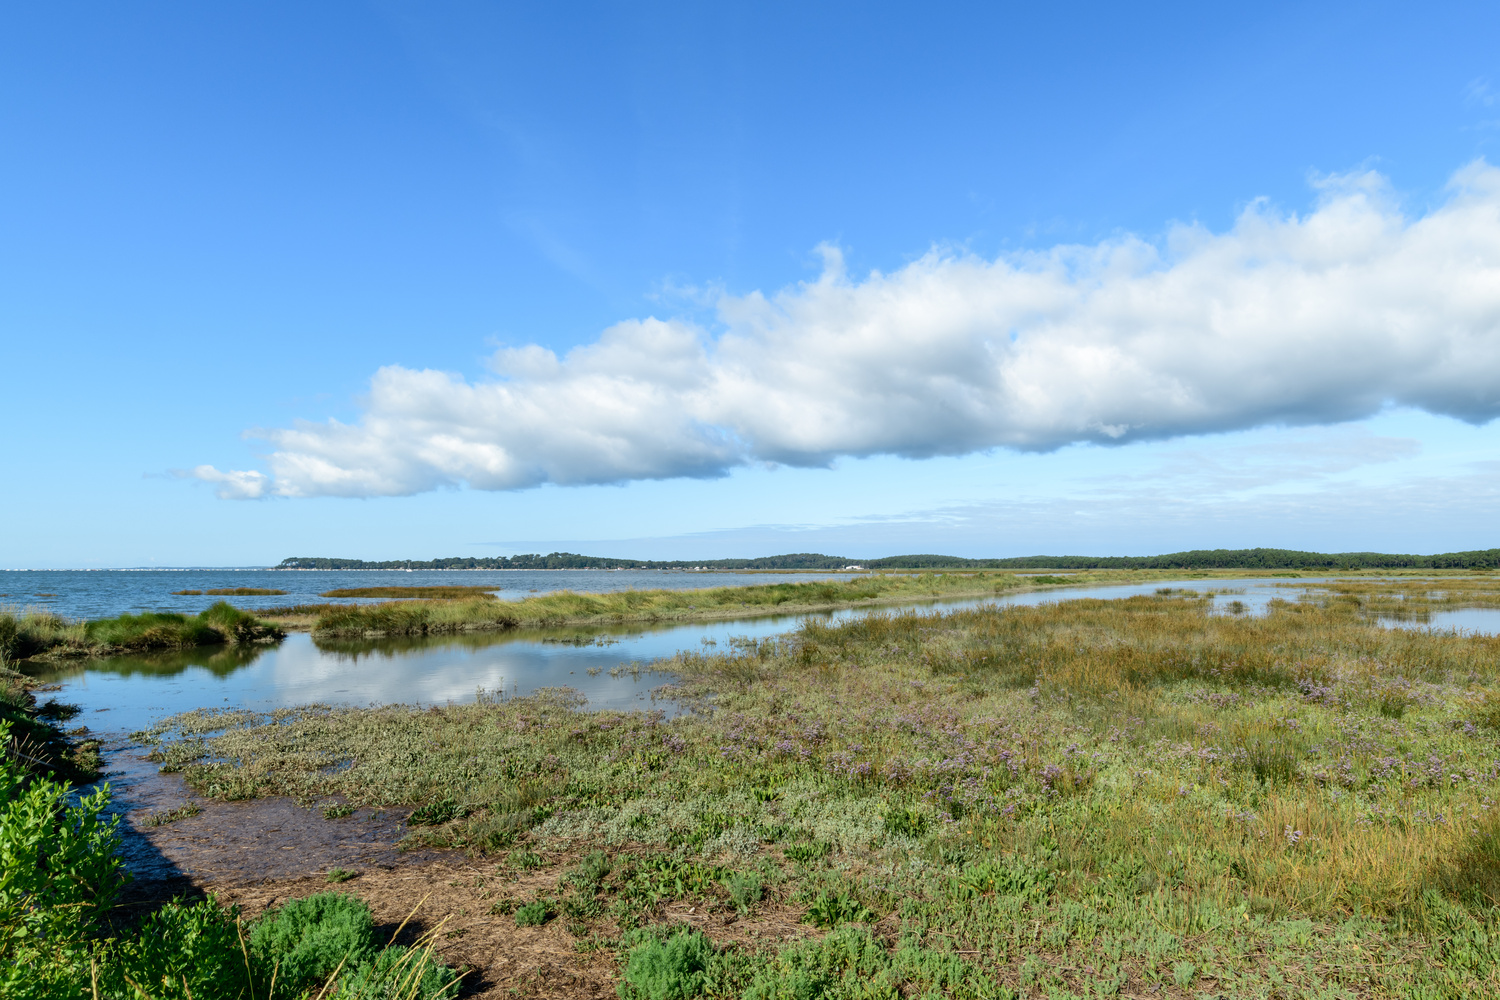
(581, 906)
(59, 872)
(191, 952)
(533, 914)
(306, 940)
(673, 968)
(151, 630)
(399, 973)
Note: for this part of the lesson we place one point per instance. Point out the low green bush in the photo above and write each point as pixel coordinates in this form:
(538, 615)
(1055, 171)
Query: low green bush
(307, 940)
(187, 951)
(59, 873)
(533, 914)
(671, 968)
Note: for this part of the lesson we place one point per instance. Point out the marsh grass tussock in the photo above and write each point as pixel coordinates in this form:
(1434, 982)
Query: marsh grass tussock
(1094, 795)
(35, 633)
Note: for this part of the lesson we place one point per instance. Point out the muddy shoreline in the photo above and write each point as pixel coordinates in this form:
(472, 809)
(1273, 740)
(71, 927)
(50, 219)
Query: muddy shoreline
(260, 853)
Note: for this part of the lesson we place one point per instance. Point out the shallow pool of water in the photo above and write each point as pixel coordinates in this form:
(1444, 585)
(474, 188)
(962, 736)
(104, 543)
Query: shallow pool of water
(1472, 621)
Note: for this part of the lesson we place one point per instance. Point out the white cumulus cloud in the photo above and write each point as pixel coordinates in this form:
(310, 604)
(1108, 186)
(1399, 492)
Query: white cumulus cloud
(234, 484)
(1284, 319)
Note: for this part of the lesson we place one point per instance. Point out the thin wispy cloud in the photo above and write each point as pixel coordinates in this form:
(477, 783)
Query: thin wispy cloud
(1291, 319)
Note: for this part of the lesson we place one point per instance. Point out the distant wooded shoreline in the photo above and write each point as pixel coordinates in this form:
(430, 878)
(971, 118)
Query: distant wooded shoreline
(1196, 559)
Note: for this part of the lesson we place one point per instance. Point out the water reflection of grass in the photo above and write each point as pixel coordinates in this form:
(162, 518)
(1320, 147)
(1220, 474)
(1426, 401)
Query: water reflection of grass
(220, 660)
(1087, 797)
(1404, 600)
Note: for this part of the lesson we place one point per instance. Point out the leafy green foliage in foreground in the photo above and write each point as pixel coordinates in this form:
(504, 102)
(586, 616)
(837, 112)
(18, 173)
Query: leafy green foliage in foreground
(1140, 796)
(36, 633)
(60, 876)
(58, 873)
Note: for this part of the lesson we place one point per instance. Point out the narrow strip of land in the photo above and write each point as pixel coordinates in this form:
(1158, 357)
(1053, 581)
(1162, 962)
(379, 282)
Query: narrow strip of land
(570, 608)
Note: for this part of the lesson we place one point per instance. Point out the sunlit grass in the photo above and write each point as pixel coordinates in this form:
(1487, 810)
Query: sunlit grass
(33, 632)
(1067, 797)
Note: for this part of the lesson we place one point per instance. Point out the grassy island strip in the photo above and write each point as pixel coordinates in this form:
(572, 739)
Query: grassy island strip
(39, 634)
(1138, 797)
(485, 613)
(443, 592)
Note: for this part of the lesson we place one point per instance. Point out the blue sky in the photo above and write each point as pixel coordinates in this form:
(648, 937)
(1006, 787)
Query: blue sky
(856, 278)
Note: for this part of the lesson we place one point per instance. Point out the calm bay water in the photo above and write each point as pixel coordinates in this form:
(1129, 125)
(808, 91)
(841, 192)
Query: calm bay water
(106, 593)
(608, 666)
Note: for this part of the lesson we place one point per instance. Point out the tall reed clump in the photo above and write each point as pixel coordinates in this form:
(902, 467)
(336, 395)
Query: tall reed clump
(34, 633)
(1090, 797)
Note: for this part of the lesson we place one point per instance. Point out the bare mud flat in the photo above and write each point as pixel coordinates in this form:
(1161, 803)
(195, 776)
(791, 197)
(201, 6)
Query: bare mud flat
(240, 841)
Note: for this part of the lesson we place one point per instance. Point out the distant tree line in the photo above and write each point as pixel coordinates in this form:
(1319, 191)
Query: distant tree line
(1259, 559)
(572, 560)
(1196, 559)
